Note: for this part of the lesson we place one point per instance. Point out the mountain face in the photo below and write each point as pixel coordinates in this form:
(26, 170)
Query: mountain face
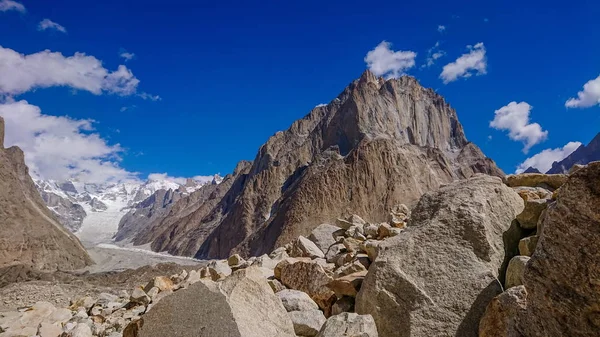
(93, 211)
(30, 234)
(582, 156)
(379, 143)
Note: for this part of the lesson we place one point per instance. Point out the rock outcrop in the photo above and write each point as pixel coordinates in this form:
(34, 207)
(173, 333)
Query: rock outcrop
(561, 287)
(30, 234)
(437, 277)
(378, 144)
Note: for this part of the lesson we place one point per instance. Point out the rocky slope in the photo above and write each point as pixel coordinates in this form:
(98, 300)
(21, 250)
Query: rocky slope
(583, 155)
(30, 234)
(379, 143)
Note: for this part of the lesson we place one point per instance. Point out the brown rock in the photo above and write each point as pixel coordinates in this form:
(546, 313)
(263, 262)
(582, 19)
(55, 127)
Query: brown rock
(307, 276)
(348, 285)
(515, 270)
(527, 245)
(551, 181)
(161, 282)
(499, 319)
(528, 219)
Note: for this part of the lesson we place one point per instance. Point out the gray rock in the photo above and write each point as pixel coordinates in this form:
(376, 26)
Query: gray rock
(303, 247)
(294, 300)
(242, 305)
(437, 277)
(81, 330)
(350, 324)
(307, 323)
(322, 236)
(527, 245)
(344, 304)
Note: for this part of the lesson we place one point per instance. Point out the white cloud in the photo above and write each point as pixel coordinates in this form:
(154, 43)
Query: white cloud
(441, 28)
(473, 62)
(383, 61)
(49, 24)
(127, 56)
(543, 160)
(147, 96)
(61, 147)
(21, 73)
(9, 5)
(433, 54)
(514, 117)
(179, 180)
(588, 97)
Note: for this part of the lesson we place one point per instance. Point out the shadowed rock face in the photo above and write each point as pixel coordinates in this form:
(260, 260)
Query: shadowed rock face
(377, 144)
(29, 232)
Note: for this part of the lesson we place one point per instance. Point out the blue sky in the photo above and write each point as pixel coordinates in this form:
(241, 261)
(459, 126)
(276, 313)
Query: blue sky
(230, 74)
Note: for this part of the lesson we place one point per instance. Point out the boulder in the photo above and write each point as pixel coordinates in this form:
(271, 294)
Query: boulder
(242, 305)
(563, 276)
(139, 296)
(235, 260)
(161, 282)
(276, 285)
(294, 300)
(532, 193)
(515, 270)
(349, 324)
(307, 276)
(303, 247)
(371, 247)
(499, 319)
(437, 278)
(218, 269)
(353, 220)
(349, 268)
(527, 245)
(552, 181)
(528, 219)
(307, 323)
(81, 330)
(322, 236)
(334, 251)
(348, 285)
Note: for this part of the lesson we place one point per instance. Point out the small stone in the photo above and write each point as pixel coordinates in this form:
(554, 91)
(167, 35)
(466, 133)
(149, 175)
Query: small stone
(161, 282)
(370, 230)
(371, 247)
(352, 245)
(276, 285)
(527, 245)
(139, 296)
(344, 304)
(334, 251)
(349, 268)
(349, 324)
(153, 292)
(219, 269)
(303, 247)
(384, 231)
(323, 237)
(81, 330)
(348, 285)
(515, 270)
(192, 277)
(235, 260)
(49, 330)
(528, 219)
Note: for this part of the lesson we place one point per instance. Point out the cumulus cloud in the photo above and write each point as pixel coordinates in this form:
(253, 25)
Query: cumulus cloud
(588, 97)
(62, 147)
(9, 5)
(21, 73)
(178, 180)
(543, 160)
(473, 62)
(49, 24)
(383, 61)
(514, 118)
(127, 55)
(441, 28)
(433, 54)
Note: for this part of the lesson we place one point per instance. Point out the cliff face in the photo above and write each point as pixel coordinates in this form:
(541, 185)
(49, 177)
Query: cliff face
(583, 155)
(29, 233)
(379, 143)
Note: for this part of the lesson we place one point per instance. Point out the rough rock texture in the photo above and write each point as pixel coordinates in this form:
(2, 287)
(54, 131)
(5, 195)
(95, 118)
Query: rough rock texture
(515, 270)
(563, 276)
(295, 300)
(499, 318)
(378, 144)
(191, 219)
(29, 233)
(242, 305)
(551, 181)
(583, 155)
(349, 324)
(437, 277)
(307, 323)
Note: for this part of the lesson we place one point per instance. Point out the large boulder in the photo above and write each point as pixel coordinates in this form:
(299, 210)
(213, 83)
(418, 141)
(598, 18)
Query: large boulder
(349, 324)
(295, 300)
(437, 277)
(552, 181)
(562, 278)
(242, 305)
(322, 236)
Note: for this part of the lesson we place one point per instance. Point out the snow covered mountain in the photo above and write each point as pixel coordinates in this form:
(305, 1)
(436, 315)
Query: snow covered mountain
(93, 211)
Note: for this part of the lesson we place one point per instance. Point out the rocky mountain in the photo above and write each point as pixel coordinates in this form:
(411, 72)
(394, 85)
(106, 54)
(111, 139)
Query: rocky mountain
(30, 234)
(378, 144)
(583, 155)
(93, 211)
